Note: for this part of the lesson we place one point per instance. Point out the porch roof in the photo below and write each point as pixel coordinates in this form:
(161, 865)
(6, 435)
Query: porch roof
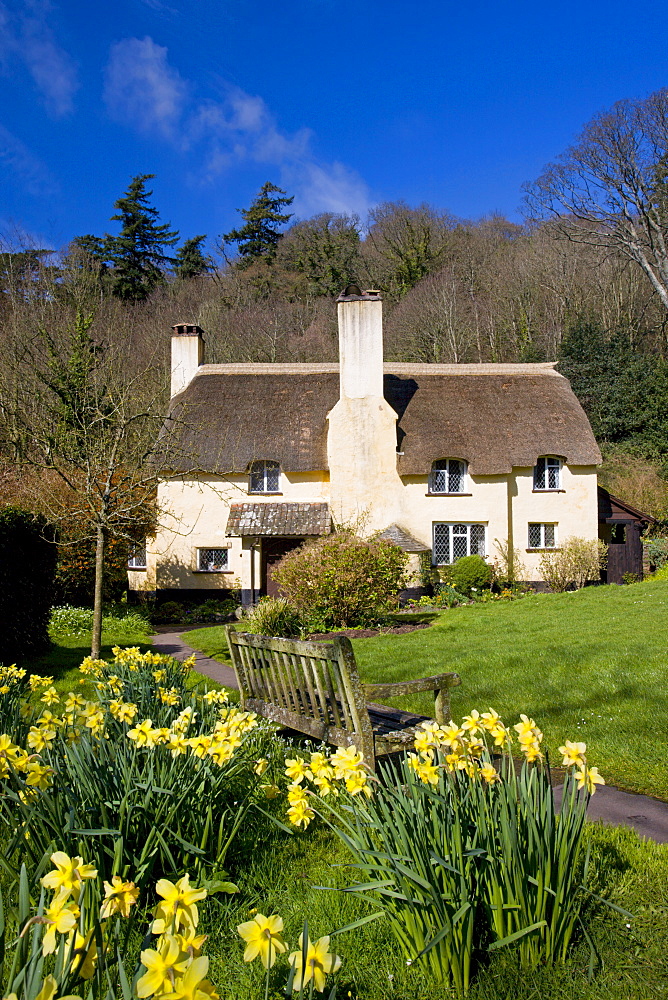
(283, 519)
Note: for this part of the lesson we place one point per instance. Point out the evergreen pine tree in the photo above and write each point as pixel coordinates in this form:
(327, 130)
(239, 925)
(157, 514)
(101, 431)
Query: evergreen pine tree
(138, 254)
(190, 262)
(258, 239)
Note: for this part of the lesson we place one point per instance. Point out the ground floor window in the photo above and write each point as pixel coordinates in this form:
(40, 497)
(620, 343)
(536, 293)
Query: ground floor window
(211, 560)
(137, 556)
(452, 541)
(542, 536)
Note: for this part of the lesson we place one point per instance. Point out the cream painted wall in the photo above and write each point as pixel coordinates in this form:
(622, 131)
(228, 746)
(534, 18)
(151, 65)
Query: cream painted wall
(194, 515)
(574, 509)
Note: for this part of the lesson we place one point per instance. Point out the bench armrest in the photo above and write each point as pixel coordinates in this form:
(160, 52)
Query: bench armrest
(440, 685)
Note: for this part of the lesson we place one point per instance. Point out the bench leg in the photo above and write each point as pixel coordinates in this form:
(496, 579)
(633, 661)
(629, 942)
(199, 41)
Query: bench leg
(442, 706)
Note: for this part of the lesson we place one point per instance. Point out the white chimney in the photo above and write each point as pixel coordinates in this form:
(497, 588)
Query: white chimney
(187, 354)
(365, 488)
(360, 343)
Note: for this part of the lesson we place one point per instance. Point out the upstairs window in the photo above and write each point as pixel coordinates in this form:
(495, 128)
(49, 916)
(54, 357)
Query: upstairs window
(137, 556)
(547, 473)
(265, 477)
(448, 475)
(452, 541)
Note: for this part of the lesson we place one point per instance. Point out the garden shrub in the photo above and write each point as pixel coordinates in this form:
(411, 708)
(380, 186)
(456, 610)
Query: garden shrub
(471, 573)
(273, 616)
(657, 550)
(67, 622)
(27, 569)
(342, 581)
(577, 561)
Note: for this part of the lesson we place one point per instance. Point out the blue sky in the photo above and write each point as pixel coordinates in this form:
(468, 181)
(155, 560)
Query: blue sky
(344, 104)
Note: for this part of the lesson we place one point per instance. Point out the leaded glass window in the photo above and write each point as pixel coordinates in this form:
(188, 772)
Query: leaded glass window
(448, 475)
(265, 477)
(452, 541)
(542, 536)
(547, 473)
(137, 556)
(211, 560)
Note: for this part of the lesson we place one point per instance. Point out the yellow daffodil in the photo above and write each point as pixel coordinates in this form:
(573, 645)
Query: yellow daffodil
(589, 778)
(573, 754)
(300, 814)
(161, 967)
(296, 793)
(315, 964)
(451, 735)
(261, 766)
(489, 774)
(84, 954)
(178, 906)
(345, 760)
(36, 682)
(170, 697)
(143, 734)
(40, 739)
(38, 775)
(60, 918)
(178, 744)
(192, 985)
(119, 896)
(261, 935)
(73, 702)
(296, 769)
(68, 874)
(472, 723)
(47, 992)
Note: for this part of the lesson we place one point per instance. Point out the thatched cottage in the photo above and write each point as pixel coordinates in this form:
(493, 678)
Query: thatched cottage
(443, 459)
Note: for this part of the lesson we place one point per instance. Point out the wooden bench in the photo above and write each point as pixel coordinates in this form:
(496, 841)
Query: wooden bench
(315, 689)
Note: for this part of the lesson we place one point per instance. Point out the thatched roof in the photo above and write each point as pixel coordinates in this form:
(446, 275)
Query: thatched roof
(495, 417)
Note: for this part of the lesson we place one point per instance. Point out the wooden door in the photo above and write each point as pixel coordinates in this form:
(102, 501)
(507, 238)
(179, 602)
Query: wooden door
(273, 550)
(624, 551)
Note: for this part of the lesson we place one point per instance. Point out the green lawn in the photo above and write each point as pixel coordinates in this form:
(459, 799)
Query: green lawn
(590, 666)
(280, 879)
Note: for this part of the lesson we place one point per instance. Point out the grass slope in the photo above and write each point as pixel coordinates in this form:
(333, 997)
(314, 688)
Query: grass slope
(590, 666)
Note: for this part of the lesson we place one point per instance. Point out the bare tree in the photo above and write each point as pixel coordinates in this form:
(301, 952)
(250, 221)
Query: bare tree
(610, 189)
(80, 415)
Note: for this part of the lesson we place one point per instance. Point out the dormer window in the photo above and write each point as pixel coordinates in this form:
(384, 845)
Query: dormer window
(448, 475)
(265, 477)
(547, 473)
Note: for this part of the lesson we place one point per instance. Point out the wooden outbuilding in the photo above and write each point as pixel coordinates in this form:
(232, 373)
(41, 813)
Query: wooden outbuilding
(621, 527)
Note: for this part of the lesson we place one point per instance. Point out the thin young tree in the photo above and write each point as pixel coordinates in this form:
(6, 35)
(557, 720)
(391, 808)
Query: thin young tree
(76, 414)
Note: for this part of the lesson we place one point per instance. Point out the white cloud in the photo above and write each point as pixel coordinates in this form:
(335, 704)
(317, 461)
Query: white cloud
(147, 93)
(142, 88)
(17, 158)
(328, 187)
(27, 36)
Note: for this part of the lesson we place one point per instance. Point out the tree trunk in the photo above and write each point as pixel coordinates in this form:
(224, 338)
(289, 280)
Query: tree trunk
(96, 638)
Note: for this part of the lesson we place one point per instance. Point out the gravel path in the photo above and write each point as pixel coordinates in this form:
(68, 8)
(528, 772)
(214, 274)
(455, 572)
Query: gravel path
(647, 816)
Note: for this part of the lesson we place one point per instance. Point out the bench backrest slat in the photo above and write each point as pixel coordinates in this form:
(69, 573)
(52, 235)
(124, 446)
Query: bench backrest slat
(306, 679)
